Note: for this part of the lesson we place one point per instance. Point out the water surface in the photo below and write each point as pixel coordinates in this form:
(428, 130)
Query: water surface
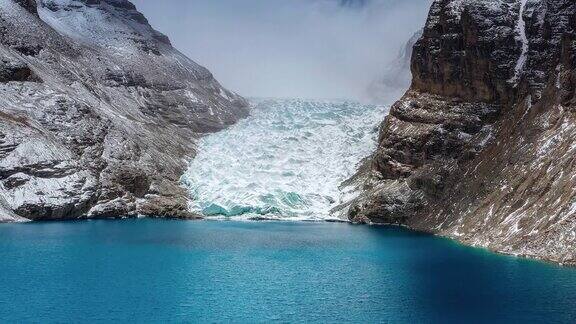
(173, 271)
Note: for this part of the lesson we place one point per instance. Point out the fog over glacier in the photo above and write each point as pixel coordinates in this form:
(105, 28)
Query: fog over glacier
(296, 48)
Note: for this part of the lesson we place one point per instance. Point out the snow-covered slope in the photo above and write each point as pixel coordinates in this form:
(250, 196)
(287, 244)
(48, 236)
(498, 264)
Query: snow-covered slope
(98, 111)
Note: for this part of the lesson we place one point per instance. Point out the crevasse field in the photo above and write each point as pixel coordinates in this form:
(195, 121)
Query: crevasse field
(286, 161)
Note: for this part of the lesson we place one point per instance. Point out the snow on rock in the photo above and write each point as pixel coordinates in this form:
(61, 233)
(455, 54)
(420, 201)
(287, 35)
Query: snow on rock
(468, 154)
(98, 109)
(521, 29)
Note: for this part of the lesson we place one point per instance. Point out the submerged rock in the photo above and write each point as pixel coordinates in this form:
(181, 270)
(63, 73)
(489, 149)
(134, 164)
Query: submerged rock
(99, 113)
(482, 148)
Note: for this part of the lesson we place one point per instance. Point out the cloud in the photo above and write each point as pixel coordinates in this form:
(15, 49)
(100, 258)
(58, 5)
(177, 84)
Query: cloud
(290, 48)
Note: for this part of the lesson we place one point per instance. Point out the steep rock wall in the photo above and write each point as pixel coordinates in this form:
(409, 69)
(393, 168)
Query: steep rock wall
(482, 148)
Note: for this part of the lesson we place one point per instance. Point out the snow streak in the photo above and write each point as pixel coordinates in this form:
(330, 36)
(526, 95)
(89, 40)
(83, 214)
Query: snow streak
(521, 28)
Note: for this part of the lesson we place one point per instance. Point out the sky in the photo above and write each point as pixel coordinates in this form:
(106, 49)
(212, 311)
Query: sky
(290, 48)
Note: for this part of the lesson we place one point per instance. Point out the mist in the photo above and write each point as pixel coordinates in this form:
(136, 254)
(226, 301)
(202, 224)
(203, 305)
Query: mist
(289, 49)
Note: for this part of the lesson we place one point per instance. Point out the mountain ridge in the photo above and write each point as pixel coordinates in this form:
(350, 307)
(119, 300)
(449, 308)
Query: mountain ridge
(99, 112)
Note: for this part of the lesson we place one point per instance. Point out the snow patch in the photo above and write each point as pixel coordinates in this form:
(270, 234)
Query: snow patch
(521, 29)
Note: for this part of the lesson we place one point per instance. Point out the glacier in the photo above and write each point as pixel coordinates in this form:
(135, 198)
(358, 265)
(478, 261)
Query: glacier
(288, 160)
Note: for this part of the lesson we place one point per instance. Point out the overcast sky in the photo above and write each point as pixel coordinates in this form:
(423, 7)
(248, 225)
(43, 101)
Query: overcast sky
(289, 48)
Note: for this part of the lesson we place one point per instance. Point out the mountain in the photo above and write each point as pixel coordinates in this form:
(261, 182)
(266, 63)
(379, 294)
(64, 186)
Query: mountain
(396, 77)
(99, 113)
(482, 147)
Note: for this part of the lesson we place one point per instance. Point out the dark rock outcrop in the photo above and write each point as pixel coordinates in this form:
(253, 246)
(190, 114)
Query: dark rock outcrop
(482, 148)
(29, 5)
(16, 71)
(98, 113)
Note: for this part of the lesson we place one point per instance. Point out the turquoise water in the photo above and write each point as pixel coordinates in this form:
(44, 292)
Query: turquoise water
(173, 271)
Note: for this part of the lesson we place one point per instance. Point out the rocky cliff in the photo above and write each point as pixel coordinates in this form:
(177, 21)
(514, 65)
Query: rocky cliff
(482, 148)
(98, 112)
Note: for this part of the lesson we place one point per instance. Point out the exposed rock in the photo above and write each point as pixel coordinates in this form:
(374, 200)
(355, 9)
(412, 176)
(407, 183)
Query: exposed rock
(16, 71)
(482, 148)
(29, 5)
(98, 113)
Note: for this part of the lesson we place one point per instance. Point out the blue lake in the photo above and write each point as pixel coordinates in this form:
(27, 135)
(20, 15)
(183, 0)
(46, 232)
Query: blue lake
(207, 271)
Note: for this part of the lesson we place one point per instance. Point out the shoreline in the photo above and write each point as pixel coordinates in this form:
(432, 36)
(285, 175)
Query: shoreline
(526, 257)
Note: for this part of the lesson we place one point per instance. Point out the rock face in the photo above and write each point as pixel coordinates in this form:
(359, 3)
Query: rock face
(98, 112)
(482, 148)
